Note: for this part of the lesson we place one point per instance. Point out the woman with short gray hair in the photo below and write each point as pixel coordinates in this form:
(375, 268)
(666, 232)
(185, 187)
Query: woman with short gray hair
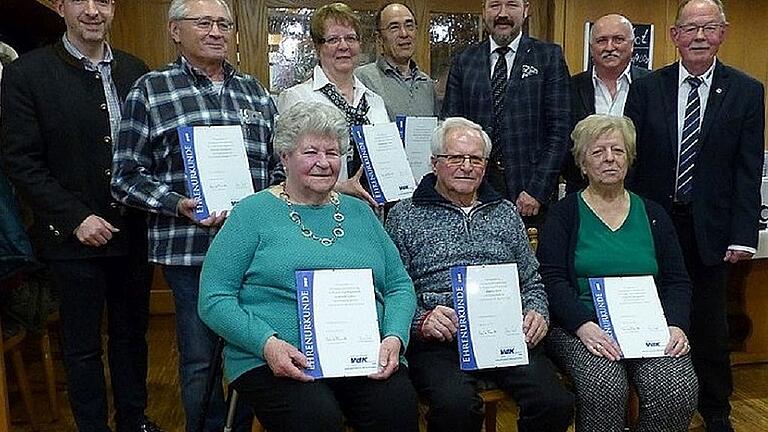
(248, 288)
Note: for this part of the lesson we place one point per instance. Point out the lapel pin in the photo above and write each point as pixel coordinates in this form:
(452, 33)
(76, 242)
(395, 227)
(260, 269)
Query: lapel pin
(718, 90)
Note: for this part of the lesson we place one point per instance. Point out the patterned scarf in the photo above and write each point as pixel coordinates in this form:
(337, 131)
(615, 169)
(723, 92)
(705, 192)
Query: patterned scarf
(355, 116)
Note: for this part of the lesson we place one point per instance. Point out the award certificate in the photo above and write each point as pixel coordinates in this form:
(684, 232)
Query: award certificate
(338, 325)
(215, 167)
(629, 310)
(487, 302)
(383, 157)
(416, 133)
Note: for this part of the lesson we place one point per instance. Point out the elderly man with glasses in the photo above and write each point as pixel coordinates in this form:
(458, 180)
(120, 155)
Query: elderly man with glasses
(394, 76)
(200, 89)
(456, 219)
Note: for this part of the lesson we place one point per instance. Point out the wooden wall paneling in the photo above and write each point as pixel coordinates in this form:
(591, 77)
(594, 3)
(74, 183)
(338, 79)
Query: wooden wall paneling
(744, 41)
(252, 24)
(141, 28)
(48, 4)
(422, 16)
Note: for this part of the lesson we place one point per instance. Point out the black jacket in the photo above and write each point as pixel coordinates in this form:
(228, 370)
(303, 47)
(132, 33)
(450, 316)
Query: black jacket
(556, 253)
(57, 149)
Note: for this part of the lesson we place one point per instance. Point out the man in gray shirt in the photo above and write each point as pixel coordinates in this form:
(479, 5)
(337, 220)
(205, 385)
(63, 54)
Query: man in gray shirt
(394, 76)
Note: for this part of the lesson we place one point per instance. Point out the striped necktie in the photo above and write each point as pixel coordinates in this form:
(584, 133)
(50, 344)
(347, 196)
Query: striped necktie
(498, 90)
(689, 144)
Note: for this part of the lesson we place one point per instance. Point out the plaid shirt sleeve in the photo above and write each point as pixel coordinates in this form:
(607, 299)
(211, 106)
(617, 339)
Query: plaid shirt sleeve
(132, 181)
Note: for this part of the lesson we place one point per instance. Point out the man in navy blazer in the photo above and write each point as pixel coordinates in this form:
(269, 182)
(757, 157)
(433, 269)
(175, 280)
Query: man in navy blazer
(604, 87)
(532, 131)
(716, 217)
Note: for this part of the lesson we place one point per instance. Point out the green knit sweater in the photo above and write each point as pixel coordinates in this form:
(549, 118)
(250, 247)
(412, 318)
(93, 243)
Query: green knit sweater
(248, 288)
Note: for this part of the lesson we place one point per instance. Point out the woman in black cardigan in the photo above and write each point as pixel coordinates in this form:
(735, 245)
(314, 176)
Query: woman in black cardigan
(606, 231)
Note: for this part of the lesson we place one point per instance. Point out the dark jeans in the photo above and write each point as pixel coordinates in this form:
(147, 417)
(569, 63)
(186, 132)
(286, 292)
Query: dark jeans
(287, 405)
(709, 324)
(196, 346)
(455, 406)
(85, 286)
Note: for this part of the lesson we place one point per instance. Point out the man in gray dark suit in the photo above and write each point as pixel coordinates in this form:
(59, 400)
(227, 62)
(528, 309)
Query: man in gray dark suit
(700, 135)
(604, 87)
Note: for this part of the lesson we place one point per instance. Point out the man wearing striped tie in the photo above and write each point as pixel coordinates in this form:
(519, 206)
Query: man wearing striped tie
(700, 128)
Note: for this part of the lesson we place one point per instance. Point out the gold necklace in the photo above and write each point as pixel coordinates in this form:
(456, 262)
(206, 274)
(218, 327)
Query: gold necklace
(338, 217)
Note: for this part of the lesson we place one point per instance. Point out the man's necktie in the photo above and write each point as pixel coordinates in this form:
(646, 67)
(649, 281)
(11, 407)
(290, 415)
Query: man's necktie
(689, 144)
(498, 90)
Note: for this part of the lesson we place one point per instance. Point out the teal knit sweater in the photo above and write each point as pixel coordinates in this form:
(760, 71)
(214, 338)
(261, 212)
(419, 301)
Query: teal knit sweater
(248, 288)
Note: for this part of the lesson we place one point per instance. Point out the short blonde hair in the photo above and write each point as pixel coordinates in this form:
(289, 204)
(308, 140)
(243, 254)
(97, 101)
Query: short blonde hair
(593, 127)
(339, 13)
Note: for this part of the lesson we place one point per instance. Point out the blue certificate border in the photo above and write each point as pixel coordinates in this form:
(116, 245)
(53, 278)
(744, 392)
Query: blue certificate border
(188, 156)
(597, 285)
(307, 336)
(365, 159)
(467, 360)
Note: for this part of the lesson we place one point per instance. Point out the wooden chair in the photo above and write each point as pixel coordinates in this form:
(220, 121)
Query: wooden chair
(12, 346)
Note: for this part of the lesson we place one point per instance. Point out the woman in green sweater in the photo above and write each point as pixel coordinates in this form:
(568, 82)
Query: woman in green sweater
(248, 292)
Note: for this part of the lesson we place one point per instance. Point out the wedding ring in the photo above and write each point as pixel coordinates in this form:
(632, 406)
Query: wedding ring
(598, 346)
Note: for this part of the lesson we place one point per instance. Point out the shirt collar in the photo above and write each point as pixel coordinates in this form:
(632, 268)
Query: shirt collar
(197, 74)
(706, 77)
(320, 80)
(76, 53)
(386, 66)
(626, 74)
(512, 45)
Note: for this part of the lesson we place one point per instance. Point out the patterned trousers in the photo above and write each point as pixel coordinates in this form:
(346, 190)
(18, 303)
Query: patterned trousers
(666, 386)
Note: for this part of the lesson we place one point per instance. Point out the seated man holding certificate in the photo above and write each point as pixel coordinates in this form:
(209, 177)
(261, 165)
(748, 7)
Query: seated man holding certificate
(605, 234)
(456, 224)
(252, 293)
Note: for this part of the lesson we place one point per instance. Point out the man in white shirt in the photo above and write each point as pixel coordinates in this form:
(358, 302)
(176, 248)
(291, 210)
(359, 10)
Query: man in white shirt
(700, 127)
(604, 87)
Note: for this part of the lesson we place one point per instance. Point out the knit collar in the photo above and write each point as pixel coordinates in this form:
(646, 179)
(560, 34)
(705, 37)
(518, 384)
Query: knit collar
(427, 194)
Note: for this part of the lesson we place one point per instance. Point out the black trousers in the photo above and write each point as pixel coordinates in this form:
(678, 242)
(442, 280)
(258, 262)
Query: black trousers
(85, 287)
(709, 323)
(287, 405)
(495, 177)
(455, 406)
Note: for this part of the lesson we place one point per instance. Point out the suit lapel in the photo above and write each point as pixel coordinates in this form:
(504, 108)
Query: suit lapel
(521, 58)
(586, 89)
(669, 90)
(484, 64)
(720, 81)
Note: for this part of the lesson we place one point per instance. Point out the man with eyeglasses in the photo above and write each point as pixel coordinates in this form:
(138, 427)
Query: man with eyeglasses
(394, 75)
(200, 89)
(700, 127)
(603, 89)
(517, 89)
(455, 218)
(61, 111)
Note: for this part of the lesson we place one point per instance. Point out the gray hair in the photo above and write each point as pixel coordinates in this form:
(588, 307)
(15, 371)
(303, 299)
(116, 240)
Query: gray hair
(594, 126)
(685, 3)
(310, 118)
(451, 123)
(624, 20)
(179, 9)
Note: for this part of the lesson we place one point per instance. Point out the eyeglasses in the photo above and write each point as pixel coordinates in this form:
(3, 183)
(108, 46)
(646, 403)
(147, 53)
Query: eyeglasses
(206, 24)
(101, 4)
(690, 30)
(616, 40)
(350, 39)
(458, 160)
(395, 28)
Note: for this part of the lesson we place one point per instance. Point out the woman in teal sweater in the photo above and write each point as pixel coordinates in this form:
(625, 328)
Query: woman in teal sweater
(248, 291)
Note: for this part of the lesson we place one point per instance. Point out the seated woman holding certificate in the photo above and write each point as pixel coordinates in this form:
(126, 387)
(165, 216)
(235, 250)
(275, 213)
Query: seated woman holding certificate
(336, 33)
(251, 286)
(606, 231)
(455, 221)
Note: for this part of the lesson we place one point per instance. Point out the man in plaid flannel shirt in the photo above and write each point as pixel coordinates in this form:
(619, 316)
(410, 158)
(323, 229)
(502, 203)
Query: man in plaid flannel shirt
(200, 89)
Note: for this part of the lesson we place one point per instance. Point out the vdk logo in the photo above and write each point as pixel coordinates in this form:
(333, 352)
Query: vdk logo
(358, 359)
(504, 351)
